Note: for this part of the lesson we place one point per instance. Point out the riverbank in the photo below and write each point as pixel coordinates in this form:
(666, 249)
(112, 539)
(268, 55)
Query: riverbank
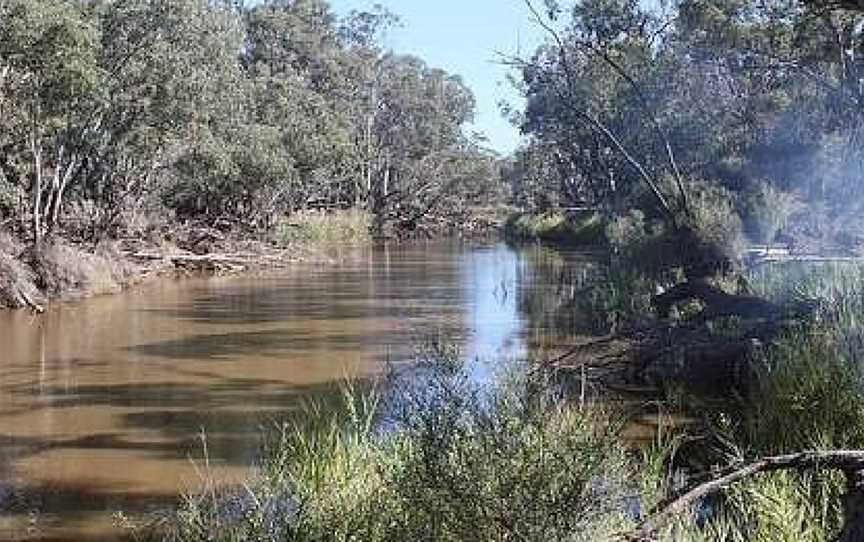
(61, 271)
(585, 229)
(64, 270)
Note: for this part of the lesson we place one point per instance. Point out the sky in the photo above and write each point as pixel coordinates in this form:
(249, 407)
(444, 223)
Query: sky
(463, 37)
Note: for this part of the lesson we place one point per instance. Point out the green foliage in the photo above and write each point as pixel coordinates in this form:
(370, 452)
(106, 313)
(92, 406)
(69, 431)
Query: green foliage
(222, 113)
(789, 507)
(714, 220)
(804, 393)
(516, 462)
(761, 98)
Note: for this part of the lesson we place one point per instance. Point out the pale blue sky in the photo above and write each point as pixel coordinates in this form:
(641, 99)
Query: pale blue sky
(462, 37)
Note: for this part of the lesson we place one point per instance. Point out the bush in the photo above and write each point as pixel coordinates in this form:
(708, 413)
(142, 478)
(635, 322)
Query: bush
(715, 220)
(456, 462)
(518, 461)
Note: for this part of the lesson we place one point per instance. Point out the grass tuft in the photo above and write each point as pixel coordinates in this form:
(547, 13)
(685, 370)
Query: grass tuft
(317, 228)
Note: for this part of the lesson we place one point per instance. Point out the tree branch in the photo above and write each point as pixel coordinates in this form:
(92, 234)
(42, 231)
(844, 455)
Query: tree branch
(595, 123)
(851, 462)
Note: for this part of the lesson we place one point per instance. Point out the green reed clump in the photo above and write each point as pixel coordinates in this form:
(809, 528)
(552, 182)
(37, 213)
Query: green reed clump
(319, 228)
(556, 227)
(803, 396)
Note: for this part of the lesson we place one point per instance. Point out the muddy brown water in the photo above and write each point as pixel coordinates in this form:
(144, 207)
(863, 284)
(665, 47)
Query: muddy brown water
(103, 402)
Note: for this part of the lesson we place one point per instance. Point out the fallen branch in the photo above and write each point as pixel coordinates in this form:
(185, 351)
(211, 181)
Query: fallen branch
(851, 462)
(29, 301)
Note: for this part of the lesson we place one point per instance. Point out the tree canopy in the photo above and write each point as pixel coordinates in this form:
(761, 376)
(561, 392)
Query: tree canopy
(743, 96)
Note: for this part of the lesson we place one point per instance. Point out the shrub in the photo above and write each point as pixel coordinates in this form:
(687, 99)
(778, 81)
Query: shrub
(555, 227)
(517, 461)
(626, 232)
(715, 220)
(454, 462)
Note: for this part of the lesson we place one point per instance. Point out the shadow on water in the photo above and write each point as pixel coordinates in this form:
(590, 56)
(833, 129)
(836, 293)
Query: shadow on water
(260, 343)
(229, 415)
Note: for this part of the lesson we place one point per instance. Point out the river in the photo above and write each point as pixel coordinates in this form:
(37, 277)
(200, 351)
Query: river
(103, 403)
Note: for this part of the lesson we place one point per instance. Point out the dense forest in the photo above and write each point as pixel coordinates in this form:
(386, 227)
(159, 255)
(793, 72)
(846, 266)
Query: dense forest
(122, 116)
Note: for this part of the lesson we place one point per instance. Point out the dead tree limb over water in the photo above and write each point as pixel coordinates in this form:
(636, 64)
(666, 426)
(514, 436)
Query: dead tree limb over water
(850, 462)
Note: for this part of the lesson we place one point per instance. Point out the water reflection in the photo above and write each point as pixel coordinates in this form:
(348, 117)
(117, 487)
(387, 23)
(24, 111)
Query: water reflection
(551, 288)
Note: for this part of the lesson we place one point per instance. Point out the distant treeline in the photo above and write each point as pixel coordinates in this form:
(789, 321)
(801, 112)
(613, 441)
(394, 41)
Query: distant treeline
(124, 115)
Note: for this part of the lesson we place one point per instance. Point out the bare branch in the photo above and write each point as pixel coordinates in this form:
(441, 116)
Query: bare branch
(851, 462)
(595, 123)
(643, 101)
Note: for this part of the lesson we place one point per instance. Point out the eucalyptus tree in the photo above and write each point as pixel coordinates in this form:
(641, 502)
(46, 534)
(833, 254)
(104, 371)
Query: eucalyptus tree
(423, 157)
(49, 60)
(587, 92)
(217, 111)
(795, 73)
(299, 69)
(736, 92)
(108, 95)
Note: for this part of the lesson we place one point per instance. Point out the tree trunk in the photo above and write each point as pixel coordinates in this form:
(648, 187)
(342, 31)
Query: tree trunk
(36, 153)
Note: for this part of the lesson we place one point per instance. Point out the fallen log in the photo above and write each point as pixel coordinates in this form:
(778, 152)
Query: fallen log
(27, 300)
(850, 462)
(208, 262)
